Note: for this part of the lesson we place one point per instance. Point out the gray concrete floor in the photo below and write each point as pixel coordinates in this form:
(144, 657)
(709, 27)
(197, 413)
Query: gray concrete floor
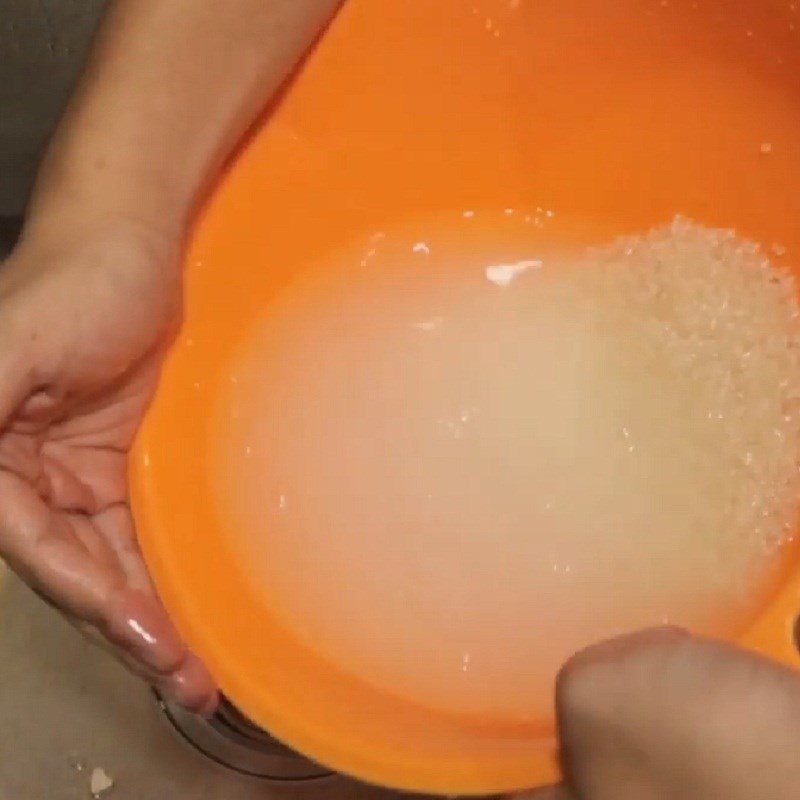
(66, 708)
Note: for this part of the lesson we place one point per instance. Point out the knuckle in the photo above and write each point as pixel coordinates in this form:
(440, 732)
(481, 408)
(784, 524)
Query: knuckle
(577, 693)
(599, 682)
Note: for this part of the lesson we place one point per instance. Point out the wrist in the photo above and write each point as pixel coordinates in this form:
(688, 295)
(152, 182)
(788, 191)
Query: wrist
(53, 229)
(67, 212)
(83, 188)
(71, 210)
(120, 243)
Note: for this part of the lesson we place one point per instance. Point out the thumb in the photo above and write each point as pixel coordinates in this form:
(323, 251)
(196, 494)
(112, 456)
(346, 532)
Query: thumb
(16, 373)
(662, 714)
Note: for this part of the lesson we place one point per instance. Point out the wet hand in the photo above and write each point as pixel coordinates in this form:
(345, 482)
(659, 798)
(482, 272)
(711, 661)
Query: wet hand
(84, 322)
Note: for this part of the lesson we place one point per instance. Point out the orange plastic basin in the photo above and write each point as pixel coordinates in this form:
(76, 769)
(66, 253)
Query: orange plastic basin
(621, 113)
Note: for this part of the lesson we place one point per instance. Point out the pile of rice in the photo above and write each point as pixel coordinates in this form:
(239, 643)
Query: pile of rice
(716, 307)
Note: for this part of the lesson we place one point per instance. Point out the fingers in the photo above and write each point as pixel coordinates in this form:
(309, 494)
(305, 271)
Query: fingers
(189, 685)
(116, 526)
(96, 546)
(613, 650)
(607, 697)
(78, 571)
(147, 624)
(601, 679)
(44, 549)
(140, 626)
(192, 686)
(663, 714)
(82, 484)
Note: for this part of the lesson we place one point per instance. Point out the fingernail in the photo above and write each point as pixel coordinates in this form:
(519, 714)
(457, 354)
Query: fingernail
(193, 687)
(210, 707)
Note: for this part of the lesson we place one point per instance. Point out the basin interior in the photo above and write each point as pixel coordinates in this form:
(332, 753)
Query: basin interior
(622, 115)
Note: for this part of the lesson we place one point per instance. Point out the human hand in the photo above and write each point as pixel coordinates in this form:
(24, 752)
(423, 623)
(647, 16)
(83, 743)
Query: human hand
(661, 715)
(84, 321)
